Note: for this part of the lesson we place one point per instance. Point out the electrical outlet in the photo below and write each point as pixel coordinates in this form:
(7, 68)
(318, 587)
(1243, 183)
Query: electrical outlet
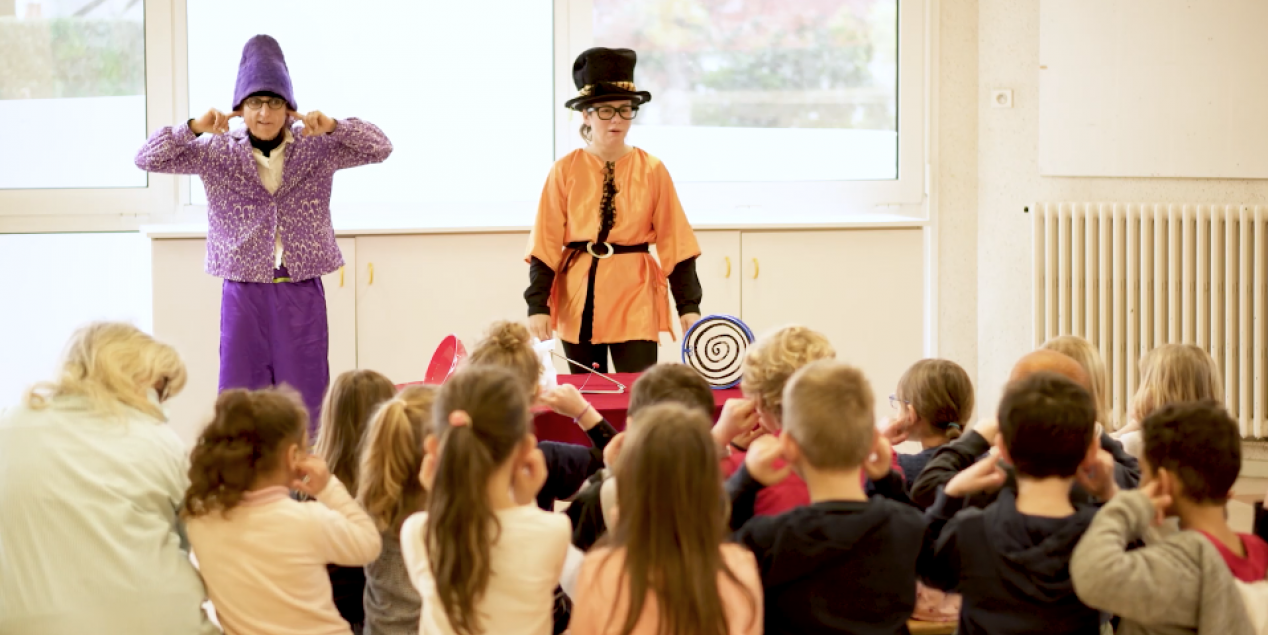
(1002, 98)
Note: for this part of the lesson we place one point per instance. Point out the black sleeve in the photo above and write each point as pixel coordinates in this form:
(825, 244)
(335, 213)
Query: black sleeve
(742, 490)
(1261, 521)
(600, 435)
(939, 562)
(540, 279)
(1126, 467)
(685, 285)
(893, 487)
(586, 513)
(567, 467)
(946, 462)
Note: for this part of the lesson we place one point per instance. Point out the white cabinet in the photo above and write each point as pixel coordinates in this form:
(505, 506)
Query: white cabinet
(187, 316)
(862, 288)
(425, 287)
(400, 294)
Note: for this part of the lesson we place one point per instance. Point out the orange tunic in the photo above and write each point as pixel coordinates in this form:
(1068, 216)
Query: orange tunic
(631, 290)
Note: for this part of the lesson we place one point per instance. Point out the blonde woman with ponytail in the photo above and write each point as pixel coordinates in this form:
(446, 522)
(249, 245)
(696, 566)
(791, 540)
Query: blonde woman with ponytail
(91, 478)
(390, 491)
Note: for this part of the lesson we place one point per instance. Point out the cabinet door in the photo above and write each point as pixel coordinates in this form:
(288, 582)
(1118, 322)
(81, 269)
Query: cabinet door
(425, 287)
(863, 289)
(187, 316)
(719, 270)
(341, 310)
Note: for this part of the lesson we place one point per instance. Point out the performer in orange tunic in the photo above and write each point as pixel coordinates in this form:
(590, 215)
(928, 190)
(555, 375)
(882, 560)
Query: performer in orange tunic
(591, 275)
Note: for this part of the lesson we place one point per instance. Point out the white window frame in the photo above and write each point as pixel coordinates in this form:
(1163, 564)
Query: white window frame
(905, 196)
(106, 209)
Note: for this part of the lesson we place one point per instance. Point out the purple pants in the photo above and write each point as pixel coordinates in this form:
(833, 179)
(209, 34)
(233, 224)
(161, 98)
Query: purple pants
(274, 334)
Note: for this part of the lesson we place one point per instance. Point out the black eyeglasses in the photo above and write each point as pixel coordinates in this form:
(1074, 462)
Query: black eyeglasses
(274, 103)
(607, 112)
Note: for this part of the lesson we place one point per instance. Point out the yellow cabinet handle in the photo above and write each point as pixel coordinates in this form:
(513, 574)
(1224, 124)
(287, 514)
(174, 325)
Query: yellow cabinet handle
(340, 277)
(728, 267)
(757, 269)
(371, 273)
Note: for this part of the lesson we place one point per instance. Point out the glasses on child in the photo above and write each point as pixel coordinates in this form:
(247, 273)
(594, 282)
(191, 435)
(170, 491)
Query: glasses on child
(256, 103)
(608, 112)
(895, 402)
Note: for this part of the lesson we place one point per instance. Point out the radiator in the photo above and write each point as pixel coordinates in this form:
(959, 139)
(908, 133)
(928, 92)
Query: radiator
(1129, 277)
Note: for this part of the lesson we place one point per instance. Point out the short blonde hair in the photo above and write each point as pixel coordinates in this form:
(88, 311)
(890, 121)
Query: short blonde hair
(113, 365)
(1176, 373)
(1082, 351)
(828, 409)
(771, 362)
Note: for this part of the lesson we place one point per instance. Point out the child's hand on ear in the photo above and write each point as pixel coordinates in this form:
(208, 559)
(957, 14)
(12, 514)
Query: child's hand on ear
(1160, 500)
(896, 431)
(313, 476)
(529, 476)
(738, 417)
(983, 476)
(612, 450)
(760, 460)
(1098, 478)
(878, 465)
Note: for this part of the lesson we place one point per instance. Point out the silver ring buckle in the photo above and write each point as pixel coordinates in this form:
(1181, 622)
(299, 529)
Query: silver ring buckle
(590, 250)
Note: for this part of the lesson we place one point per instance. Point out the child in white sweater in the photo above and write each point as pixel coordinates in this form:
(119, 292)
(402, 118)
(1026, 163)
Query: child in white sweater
(262, 554)
(483, 557)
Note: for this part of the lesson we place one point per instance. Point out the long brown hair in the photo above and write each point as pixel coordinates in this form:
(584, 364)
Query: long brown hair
(352, 398)
(509, 345)
(941, 393)
(672, 523)
(247, 438)
(393, 456)
(461, 525)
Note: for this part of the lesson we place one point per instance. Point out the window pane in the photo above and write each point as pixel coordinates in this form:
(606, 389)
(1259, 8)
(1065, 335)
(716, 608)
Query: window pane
(72, 93)
(469, 115)
(757, 90)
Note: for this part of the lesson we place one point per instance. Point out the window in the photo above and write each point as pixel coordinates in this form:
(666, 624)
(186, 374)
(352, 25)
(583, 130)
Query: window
(760, 108)
(463, 90)
(74, 69)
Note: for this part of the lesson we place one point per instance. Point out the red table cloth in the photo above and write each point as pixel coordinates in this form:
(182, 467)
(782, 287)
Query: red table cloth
(555, 427)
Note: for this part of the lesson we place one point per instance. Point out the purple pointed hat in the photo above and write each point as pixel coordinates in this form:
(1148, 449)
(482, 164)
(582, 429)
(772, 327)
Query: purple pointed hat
(263, 70)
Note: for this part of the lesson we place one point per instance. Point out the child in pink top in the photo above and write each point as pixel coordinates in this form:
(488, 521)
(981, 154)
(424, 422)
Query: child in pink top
(262, 554)
(664, 567)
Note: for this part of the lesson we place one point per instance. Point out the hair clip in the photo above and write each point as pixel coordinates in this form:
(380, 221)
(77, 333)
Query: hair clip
(954, 425)
(459, 418)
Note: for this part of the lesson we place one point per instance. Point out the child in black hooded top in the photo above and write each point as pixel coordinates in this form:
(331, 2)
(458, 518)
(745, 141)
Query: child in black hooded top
(845, 563)
(1011, 560)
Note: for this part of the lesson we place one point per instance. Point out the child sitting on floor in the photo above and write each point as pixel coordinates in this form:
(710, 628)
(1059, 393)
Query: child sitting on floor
(843, 563)
(1204, 578)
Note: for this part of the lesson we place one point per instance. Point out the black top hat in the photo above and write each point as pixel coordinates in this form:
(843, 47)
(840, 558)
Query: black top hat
(603, 74)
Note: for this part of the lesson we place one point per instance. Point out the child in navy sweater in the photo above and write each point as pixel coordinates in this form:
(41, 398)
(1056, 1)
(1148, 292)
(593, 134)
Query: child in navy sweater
(844, 563)
(1011, 560)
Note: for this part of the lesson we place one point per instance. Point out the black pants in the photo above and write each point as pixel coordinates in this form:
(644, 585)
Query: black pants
(634, 356)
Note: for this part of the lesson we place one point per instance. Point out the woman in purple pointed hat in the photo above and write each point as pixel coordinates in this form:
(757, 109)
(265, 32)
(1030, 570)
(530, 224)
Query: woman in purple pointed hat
(268, 210)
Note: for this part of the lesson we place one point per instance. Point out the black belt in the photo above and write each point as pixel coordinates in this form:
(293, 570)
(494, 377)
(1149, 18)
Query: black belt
(600, 251)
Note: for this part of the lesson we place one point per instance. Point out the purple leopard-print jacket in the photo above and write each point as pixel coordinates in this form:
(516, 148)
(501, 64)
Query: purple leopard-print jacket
(242, 215)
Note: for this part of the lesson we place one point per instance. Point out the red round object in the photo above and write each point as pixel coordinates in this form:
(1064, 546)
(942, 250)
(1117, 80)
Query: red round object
(444, 362)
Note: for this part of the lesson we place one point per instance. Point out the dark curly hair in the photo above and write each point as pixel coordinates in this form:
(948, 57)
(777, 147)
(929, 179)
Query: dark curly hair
(247, 437)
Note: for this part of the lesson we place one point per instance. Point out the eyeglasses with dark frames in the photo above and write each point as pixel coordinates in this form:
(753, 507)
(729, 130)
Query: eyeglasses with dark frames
(606, 113)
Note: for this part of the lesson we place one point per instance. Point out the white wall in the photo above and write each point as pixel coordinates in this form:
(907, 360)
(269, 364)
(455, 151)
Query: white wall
(1008, 180)
(51, 284)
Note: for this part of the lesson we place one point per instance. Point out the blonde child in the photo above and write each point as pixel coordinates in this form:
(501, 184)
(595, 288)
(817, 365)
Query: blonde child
(1082, 351)
(934, 400)
(508, 345)
(262, 554)
(1169, 374)
(767, 367)
(483, 558)
(664, 567)
(846, 562)
(390, 492)
(352, 398)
